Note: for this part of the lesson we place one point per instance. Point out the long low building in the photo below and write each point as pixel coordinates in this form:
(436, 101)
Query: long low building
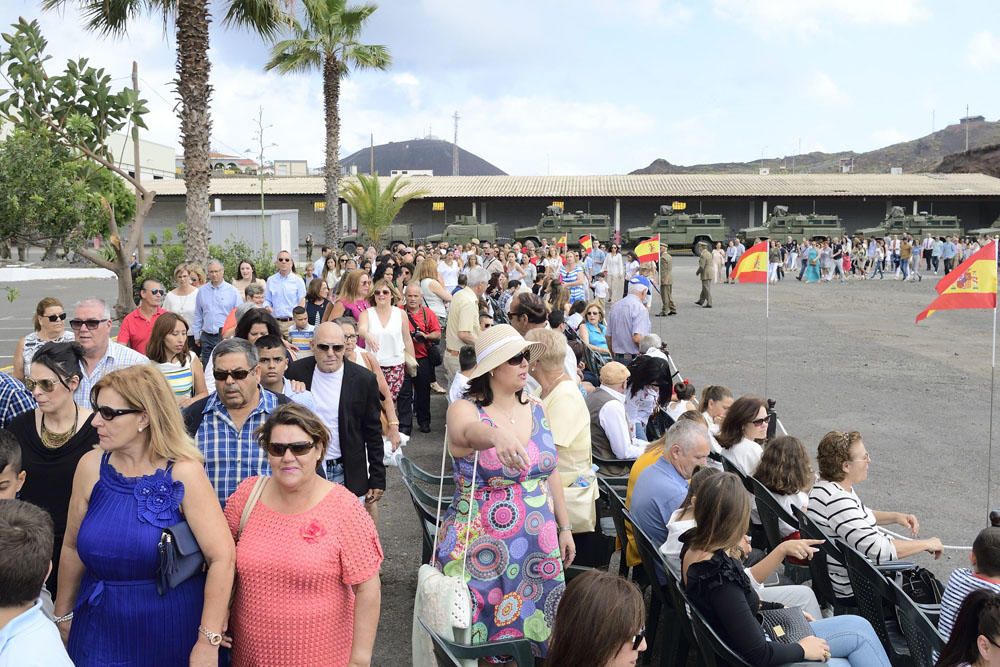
(862, 200)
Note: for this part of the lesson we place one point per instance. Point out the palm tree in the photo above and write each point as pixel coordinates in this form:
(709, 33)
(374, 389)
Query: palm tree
(327, 40)
(377, 207)
(191, 19)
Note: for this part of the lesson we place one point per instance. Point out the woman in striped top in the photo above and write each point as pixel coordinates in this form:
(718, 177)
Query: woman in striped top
(168, 351)
(836, 508)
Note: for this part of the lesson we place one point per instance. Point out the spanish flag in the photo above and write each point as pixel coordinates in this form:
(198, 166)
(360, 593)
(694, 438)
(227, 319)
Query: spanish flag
(561, 243)
(752, 265)
(972, 284)
(649, 250)
(587, 243)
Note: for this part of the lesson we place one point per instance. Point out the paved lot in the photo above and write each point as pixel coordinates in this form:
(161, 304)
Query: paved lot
(838, 357)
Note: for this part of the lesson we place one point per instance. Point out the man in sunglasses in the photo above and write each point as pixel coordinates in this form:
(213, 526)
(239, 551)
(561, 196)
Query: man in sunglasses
(91, 325)
(138, 325)
(284, 291)
(347, 400)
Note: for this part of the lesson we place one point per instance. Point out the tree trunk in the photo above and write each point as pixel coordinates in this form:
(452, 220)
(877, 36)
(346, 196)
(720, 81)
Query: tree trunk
(331, 101)
(50, 250)
(193, 69)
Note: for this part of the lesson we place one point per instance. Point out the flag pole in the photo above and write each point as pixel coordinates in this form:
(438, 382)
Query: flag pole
(767, 317)
(993, 372)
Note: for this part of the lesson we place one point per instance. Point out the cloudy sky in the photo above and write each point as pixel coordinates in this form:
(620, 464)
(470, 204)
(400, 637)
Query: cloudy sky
(590, 86)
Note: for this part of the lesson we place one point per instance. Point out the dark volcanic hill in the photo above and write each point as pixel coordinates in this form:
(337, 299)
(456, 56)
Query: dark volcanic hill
(433, 154)
(919, 155)
(985, 160)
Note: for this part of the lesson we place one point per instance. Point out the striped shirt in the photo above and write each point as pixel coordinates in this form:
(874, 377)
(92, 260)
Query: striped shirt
(301, 338)
(840, 513)
(116, 358)
(962, 582)
(180, 378)
(15, 399)
(231, 456)
(576, 292)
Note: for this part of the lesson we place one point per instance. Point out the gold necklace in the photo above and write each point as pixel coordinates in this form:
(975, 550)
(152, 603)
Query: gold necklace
(508, 415)
(56, 440)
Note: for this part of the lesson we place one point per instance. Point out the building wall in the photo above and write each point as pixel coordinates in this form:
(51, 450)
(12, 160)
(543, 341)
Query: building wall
(158, 160)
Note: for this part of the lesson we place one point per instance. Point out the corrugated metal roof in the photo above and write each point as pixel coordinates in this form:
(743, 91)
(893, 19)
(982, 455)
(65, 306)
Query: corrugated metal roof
(645, 185)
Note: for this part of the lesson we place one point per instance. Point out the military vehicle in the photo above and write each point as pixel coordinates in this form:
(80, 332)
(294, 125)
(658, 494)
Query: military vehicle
(464, 229)
(992, 230)
(678, 229)
(393, 235)
(554, 224)
(897, 223)
(781, 224)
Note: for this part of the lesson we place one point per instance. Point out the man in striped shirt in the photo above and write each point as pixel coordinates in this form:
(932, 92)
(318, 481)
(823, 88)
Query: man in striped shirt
(985, 573)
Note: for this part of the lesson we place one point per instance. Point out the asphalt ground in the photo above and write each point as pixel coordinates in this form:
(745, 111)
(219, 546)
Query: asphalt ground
(837, 357)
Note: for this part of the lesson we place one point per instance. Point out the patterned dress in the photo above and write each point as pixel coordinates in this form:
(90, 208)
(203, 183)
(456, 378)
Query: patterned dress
(513, 569)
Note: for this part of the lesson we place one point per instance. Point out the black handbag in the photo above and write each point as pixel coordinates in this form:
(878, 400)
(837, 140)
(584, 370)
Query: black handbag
(920, 585)
(180, 557)
(433, 349)
(785, 625)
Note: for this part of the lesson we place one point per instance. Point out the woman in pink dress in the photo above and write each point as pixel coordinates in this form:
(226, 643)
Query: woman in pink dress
(307, 557)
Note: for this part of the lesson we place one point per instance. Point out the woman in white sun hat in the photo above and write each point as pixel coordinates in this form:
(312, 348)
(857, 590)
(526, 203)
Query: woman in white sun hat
(520, 537)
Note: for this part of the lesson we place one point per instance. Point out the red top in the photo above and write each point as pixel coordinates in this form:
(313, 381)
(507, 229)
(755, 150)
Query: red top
(135, 329)
(428, 323)
(293, 603)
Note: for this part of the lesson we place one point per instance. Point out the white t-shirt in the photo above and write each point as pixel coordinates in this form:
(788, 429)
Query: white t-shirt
(459, 385)
(600, 289)
(448, 275)
(326, 388)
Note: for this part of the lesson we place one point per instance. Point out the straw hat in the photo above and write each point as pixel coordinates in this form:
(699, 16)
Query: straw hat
(498, 344)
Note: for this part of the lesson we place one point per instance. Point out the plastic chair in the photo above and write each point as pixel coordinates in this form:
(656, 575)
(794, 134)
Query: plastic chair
(921, 632)
(411, 470)
(729, 466)
(818, 566)
(426, 515)
(714, 651)
(447, 651)
(771, 514)
(680, 606)
(618, 511)
(617, 480)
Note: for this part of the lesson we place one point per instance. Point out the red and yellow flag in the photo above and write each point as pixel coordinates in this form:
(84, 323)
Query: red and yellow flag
(752, 265)
(972, 284)
(587, 243)
(649, 250)
(561, 243)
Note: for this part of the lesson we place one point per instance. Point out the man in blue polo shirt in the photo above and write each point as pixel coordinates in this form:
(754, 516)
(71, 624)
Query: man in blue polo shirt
(284, 291)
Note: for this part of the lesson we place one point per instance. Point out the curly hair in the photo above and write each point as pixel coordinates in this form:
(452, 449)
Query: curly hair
(834, 452)
(743, 411)
(784, 467)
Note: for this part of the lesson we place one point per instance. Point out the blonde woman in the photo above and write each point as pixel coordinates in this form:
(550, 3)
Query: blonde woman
(197, 275)
(353, 297)
(146, 475)
(435, 295)
(593, 331)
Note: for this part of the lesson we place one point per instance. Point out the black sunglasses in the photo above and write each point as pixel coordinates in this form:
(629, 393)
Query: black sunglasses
(761, 421)
(161, 292)
(637, 640)
(76, 325)
(278, 449)
(237, 373)
(55, 318)
(518, 358)
(284, 259)
(108, 414)
(326, 347)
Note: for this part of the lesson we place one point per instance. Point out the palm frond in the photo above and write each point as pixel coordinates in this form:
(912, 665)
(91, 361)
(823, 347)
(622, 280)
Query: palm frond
(366, 56)
(294, 55)
(377, 207)
(265, 17)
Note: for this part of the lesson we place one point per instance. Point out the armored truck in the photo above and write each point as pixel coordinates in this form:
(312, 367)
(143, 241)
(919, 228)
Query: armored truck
(898, 223)
(555, 223)
(464, 229)
(992, 230)
(781, 224)
(393, 235)
(678, 229)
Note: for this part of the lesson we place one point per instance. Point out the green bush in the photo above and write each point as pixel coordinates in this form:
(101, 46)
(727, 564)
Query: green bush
(164, 257)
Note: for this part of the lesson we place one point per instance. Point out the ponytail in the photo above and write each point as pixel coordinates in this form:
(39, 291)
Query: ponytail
(979, 615)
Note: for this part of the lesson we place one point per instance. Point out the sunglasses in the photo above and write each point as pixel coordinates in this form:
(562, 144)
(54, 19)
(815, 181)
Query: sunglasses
(518, 358)
(55, 318)
(283, 259)
(761, 421)
(326, 347)
(48, 386)
(161, 292)
(593, 312)
(108, 414)
(637, 639)
(278, 449)
(236, 373)
(382, 292)
(76, 325)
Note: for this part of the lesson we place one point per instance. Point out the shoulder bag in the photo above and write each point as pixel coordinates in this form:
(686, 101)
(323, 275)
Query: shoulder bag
(180, 557)
(433, 349)
(443, 602)
(785, 625)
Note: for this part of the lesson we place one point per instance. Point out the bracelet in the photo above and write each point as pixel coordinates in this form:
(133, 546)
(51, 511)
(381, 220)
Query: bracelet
(63, 619)
(563, 529)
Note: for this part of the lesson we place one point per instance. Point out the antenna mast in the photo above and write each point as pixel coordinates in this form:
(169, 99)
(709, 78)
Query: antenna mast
(454, 148)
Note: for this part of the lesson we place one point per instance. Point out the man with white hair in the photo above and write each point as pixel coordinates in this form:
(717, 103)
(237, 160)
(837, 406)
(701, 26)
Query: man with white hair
(91, 325)
(651, 345)
(629, 321)
(463, 319)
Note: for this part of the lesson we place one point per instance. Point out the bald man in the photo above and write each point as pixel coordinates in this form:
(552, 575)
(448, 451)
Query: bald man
(354, 454)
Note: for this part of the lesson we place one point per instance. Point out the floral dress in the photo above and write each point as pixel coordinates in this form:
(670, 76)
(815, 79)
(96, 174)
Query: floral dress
(513, 568)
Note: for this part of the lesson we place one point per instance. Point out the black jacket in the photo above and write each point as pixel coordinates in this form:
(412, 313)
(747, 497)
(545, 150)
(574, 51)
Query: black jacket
(358, 423)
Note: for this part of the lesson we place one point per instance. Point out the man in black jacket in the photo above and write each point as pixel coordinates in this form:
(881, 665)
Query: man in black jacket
(347, 400)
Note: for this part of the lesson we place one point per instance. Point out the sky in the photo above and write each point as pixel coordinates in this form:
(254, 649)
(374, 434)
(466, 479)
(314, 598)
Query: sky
(588, 86)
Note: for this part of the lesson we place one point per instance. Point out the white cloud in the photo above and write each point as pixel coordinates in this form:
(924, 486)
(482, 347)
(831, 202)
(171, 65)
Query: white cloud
(821, 87)
(803, 19)
(888, 136)
(661, 13)
(983, 50)
(410, 85)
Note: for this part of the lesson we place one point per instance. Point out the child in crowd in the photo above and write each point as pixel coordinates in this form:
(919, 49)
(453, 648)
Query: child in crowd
(28, 637)
(460, 384)
(11, 475)
(301, 333)
(985, 573)
(600, 286)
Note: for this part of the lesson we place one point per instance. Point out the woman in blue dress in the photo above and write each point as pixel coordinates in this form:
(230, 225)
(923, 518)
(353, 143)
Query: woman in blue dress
(593, 331)
(145, 476)
(812, 264)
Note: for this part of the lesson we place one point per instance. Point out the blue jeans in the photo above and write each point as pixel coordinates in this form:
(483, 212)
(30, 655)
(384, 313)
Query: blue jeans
(853, 642)
(208, 343)
(333, 471)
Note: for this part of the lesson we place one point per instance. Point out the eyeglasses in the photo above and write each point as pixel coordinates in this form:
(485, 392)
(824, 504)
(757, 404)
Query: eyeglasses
(76, 325)
(867, 457)
(48, 386)
(349, 337)
(326, 347)
(236, 373)
(518, 358)
(278, 449)
(284, 259)
(109, 414)
(594, 312)
(382, 292)
(161, 292)
(55, 318)
(990, 640)
(637, 639)
(761, 421)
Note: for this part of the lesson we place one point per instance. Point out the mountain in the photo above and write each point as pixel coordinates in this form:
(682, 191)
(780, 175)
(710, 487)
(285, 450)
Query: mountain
(919, 155)
(985, 160)
(433, 154)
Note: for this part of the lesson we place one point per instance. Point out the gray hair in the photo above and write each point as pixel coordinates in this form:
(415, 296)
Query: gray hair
(253, 289)
(216, 262)
(686, 434)
(478, 276)
(94, 301)
(245, 308)
(649, 341)
(236, 345)
(636, 288)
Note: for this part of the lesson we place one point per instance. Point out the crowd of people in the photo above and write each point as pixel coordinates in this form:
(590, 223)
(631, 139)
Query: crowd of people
(251, 418)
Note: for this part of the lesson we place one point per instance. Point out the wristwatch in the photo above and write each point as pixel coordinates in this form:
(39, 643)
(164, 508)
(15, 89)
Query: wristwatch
(214, 638)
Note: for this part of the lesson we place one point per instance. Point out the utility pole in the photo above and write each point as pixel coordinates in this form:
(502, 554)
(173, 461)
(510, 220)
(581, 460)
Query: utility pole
(260, 167)
(141, 245)
(454, 148)
(371, 156)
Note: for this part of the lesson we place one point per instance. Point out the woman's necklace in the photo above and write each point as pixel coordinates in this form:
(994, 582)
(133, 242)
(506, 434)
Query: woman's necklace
(508, 415)
(56, 440)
